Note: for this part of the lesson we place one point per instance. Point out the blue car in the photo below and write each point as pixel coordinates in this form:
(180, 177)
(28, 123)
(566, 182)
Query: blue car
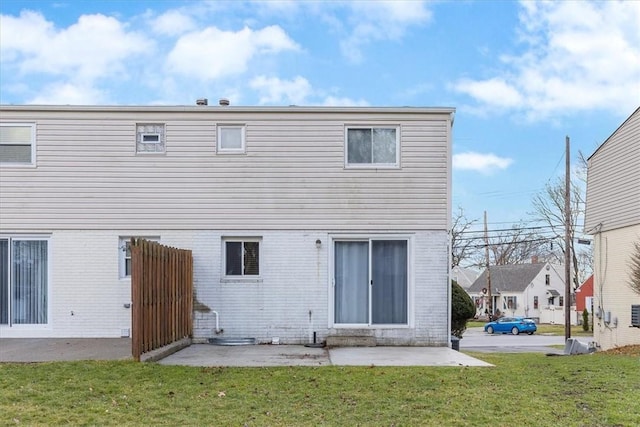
(511, 325)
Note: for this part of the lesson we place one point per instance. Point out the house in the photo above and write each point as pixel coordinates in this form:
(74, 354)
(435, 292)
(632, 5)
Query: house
(584, 296)
(613, 218)
(464, 276)
(302, 221)
(531, 290)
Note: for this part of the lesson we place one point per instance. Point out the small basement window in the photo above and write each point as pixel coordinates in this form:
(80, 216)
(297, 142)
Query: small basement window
(17, 144)
(150, 138)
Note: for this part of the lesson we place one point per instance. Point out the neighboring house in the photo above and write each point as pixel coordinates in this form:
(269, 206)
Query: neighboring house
(613, 218)
(464, 276)
(301, 220)
(584, 296)
(529, 290)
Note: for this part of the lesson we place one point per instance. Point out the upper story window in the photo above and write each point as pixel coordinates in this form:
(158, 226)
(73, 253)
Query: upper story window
(372, 147)
(547, 279)
(17, 144)
(231, 139)
(150, 138)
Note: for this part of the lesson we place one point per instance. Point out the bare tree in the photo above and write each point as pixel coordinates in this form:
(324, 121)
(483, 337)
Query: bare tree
(462, 248)
(517, 245)
(549, 208)
(634, 264)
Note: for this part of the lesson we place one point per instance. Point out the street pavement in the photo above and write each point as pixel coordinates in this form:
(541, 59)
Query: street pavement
(475, 339)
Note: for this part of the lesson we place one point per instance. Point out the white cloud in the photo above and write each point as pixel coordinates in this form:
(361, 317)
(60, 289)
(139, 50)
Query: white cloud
(65, 93)
(94, 47)
(172, 23)
(381, 20)
(273, 90)
(579, 56)
(334, 101)
(483, 163)
(212, 53)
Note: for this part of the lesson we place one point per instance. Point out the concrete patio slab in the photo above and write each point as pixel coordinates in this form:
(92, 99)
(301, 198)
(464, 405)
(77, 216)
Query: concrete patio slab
(248, 355)
(64, 349)
(70, 349)
(401, 356)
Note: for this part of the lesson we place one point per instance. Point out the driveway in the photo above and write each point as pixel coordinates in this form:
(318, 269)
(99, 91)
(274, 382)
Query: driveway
(475, 339)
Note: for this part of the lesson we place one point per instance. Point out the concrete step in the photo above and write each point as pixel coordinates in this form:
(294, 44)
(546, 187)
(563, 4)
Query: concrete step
(350, 341)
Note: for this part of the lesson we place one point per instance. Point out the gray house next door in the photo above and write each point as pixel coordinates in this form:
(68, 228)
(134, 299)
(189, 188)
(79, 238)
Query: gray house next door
(371, 280)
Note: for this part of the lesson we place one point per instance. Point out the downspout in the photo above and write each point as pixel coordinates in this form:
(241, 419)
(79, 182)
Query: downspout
(217, 330)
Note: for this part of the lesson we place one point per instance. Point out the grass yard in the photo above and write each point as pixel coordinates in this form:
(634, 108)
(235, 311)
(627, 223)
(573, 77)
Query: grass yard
(522, 390)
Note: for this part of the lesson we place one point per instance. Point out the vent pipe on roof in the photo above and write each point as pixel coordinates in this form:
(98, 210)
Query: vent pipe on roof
(202, 101)
(224, 102)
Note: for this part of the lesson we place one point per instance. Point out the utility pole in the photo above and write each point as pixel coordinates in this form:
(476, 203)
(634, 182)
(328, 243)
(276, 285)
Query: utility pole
(486, 252)
(567, 243)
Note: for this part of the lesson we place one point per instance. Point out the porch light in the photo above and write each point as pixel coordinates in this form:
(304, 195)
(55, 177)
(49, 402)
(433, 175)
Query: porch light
(318, 243)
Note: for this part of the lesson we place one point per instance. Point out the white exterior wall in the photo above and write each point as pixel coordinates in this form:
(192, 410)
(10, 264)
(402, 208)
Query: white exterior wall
(89, 187)
(611, 293)
(291, 300)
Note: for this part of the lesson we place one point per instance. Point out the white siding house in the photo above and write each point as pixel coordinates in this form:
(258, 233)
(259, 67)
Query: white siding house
(613, 217)
(301, 220)
(527, 290)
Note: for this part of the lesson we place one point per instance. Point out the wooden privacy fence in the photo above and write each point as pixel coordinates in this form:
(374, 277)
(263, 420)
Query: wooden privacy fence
(162, 295)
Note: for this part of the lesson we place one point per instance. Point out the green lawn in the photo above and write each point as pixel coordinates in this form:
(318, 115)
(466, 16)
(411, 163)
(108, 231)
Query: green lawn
(521, 390)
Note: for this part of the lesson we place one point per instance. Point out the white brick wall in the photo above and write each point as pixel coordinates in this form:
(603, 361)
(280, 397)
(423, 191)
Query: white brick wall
(290, 301)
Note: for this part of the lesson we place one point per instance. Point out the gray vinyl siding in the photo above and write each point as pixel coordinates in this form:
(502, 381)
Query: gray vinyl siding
(292, 176)
(613, 182)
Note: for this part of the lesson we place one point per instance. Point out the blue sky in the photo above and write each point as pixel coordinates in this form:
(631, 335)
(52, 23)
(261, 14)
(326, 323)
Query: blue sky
(521, 75)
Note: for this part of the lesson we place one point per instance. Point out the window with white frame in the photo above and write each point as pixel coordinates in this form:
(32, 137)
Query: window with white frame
(124, 254)
(24, 281)
(150, 138)
(372, 146)
(241, 257)
(509, 303)
(231, 139)
(17, 144)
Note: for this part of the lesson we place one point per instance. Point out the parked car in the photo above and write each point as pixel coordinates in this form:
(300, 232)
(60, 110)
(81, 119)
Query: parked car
(513, 325)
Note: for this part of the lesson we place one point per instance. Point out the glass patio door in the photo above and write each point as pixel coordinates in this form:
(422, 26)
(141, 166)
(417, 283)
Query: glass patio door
(371, 280)
(23, 281)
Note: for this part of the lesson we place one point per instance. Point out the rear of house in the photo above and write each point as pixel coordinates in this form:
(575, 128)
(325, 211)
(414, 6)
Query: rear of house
(613, 217)
(301, 220)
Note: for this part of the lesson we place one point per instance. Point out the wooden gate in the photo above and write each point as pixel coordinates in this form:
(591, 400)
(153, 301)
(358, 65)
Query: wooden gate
(162, 295)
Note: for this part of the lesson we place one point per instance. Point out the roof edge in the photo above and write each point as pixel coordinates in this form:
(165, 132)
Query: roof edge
(216, 108)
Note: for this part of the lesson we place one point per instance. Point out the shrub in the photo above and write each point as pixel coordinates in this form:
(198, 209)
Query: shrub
(585, 320)
(462, 309)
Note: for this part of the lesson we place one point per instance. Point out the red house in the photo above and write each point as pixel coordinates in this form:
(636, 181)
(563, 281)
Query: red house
(584, 296)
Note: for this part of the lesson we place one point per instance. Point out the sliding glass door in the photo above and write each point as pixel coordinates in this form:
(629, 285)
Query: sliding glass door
(23, 281)
(371, 281)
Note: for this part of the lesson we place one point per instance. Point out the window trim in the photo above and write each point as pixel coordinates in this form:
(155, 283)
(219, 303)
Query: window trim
(32, 143)
(395, 165)
(162, 138)
(243, 138)
(122, 253)
(241, 277)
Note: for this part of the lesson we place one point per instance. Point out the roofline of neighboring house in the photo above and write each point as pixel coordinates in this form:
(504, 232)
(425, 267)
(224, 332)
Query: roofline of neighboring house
(614, 132)
(238, 109)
